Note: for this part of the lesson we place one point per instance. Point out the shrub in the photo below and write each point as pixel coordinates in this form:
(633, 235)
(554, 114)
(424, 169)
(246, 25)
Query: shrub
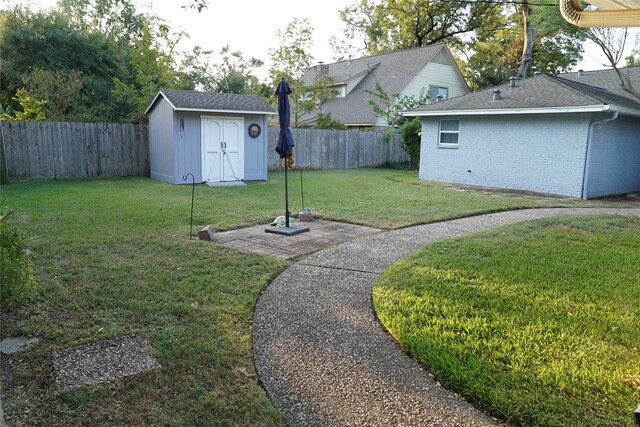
(410, 134)
(16, 280)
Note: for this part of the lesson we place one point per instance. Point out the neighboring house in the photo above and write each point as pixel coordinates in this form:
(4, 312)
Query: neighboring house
(217, 137)
(405, 72)
(576, 135)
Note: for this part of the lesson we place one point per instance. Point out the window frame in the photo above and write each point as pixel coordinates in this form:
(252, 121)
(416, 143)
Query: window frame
(448, 132)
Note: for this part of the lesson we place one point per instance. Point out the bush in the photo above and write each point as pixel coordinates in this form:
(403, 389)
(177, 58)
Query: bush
(410, 134)
(16, 280)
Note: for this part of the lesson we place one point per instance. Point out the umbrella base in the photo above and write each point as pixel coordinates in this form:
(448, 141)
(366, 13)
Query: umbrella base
(287, 231)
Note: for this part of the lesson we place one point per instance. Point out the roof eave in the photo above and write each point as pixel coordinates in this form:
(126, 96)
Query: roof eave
(153, 103)
(511, 111)
(204, 110)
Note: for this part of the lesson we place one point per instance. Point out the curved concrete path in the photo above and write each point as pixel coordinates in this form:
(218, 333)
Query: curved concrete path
(321, 353)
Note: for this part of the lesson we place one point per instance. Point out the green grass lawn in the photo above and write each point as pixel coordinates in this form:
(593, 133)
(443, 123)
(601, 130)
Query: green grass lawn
(537, 322)
(112, 258)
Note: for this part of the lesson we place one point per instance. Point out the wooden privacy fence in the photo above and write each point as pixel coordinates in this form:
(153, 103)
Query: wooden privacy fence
(36, 150)
(337, 149)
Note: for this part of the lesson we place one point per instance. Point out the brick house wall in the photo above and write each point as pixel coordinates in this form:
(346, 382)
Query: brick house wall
(540, 153)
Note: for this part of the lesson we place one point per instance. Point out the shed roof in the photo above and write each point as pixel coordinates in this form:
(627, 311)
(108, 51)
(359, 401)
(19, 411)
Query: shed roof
(189, 100)
(544, 94)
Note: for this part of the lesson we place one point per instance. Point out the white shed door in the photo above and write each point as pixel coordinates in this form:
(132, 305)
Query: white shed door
(222, 149)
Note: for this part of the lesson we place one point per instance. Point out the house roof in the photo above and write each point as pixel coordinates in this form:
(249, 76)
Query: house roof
(594, 91)
(394, 71)
(189, 100)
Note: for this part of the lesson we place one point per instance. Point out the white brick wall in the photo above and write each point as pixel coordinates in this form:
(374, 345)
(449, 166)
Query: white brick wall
(541, 153)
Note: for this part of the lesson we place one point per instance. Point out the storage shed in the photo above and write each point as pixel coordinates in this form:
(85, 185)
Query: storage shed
(215, 136)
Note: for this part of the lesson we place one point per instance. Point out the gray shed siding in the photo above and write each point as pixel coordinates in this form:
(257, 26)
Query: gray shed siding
(255, 149)
(614, 162)
(188, 146)
(540, 153)
(161, 135)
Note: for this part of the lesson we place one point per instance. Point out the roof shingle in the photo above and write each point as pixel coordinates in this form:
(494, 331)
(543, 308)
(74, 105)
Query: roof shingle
(545, 91)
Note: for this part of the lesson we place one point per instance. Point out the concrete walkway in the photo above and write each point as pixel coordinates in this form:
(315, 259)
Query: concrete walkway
(322, 355)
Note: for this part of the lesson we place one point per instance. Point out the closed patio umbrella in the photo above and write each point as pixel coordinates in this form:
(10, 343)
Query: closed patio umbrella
(285, 140)
(284, 149)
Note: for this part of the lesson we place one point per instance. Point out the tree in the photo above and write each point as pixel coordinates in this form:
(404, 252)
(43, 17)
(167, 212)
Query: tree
(232, 75)
(153, 68)
(324, 121)
(199, 5)
(549, 42)
(391, 106)
(633, 60)
(402, 24)
(115, 19)
(317, 94)
(32, 109)
(291, 59)
(551, 46)
(612, 42)
(43, 41)
(410, 135)
(63, 94)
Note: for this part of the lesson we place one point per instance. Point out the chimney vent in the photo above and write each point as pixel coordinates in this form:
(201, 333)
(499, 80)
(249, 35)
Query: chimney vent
(438, 98)
(512, 81)
(320, 71)
(581, 73)
(496, 94)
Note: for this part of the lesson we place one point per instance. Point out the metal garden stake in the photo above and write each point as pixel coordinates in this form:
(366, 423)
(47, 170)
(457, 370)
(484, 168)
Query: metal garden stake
(193, 190)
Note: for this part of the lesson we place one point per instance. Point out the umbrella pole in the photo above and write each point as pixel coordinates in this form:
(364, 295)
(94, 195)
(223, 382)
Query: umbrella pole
(286, 195)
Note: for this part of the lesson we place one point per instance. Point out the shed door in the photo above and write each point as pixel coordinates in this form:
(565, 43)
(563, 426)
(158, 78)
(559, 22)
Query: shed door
(222, 149)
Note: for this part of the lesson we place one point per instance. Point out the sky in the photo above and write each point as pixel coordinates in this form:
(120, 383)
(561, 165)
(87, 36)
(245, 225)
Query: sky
(250, 26)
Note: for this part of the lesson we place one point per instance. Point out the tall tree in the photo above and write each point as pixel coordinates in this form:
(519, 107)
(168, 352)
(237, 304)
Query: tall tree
(521, 44)
(153, 68)
(291, 59)
(64, 95)
(234, 74)
(401, 24)
(115, 19)
(48, 41)
(612, 42)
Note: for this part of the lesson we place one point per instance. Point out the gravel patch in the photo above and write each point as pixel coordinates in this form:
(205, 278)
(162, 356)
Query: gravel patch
(324, 358)
(101, 362)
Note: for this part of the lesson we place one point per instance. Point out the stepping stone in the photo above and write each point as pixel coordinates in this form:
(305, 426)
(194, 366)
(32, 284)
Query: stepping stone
(101, 362)
(14, 345)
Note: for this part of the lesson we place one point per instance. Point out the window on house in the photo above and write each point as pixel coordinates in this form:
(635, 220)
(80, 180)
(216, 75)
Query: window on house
(340, 91)
(449, 131)
(434, 91)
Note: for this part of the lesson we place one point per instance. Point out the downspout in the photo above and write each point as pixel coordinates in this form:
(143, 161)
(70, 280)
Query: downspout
(587, 160)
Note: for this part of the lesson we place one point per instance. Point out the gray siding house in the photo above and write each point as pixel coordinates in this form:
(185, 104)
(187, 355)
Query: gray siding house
(215, 136)
(575, 135)
(405, 72)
